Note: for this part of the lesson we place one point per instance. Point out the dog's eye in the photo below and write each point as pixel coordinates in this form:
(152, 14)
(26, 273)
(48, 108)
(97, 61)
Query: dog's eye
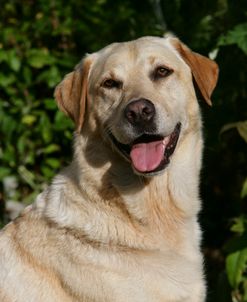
(162, 72)
(110, 83)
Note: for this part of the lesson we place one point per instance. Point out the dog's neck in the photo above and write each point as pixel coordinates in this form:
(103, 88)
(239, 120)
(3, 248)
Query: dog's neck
(121, 201)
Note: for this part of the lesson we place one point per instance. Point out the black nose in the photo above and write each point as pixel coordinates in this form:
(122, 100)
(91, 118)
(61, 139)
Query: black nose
(140, 112)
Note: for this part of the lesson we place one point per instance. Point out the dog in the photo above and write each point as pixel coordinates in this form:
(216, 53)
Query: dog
(120, 222)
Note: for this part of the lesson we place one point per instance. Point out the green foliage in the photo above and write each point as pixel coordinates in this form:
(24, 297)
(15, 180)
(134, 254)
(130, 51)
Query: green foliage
(240, 126)
(236, 264)
(238, 36)
(41, 41)
(236, 260)
(236, 248)
(29, 117)
(244, 189)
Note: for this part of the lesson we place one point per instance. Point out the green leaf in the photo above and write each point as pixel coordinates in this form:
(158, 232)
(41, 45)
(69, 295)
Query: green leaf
(235, 267)
(245, 290)
(50, 104)
(13, 60)
(3, 55)
(9, 155)
(47, 171)
(240, 126)
(4, 171)
(244, 189)
(21, 144)
(240, 225)
(45, 127)
(29, 119)
(53, 162)
(238, 36)
(51, 76)
(6, 79)
(30, 157)
(236, 243)
(31, 197)
(38, 58)
(51, 149)
(27, 175)
(27, 75)
(8, 125)
(62, 122)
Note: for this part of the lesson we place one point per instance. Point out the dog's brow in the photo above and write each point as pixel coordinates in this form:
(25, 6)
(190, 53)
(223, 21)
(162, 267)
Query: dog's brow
(152, 59)
(111, 74)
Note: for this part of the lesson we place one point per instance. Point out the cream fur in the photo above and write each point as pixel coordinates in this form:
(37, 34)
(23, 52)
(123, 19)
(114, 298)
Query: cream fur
(100, 232)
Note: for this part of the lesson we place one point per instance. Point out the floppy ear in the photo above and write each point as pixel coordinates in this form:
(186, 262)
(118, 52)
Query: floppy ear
(71, 93)
(204, 71)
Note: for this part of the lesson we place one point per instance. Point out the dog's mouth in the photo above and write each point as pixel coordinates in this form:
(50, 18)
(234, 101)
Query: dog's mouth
(149, 154)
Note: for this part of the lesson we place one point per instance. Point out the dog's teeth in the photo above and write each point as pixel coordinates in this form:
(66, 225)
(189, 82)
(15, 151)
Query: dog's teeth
(165, 141)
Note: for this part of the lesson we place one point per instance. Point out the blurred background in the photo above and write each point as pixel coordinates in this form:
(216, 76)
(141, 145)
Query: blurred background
(42, 40)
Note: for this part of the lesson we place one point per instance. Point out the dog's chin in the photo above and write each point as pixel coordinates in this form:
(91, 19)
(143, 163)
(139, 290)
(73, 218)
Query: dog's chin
(149, 154)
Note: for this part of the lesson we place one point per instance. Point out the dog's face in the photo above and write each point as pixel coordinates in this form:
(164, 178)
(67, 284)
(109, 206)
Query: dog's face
(140, 96)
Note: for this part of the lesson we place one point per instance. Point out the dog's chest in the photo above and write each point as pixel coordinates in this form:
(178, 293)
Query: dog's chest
(125, 276)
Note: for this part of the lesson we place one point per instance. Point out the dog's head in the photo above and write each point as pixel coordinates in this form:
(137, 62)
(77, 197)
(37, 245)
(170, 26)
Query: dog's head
(140, 96)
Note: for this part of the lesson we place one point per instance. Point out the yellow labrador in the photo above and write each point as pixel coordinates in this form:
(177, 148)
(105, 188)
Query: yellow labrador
(120, 222)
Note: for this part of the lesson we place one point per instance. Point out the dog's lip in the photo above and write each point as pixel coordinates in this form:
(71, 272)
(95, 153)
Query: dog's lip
(169, 141)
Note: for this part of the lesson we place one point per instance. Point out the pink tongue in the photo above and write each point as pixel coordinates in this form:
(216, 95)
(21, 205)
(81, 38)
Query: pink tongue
(147, 157)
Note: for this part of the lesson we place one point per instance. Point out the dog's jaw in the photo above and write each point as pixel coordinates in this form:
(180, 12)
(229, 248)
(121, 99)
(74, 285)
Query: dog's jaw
(149, 155)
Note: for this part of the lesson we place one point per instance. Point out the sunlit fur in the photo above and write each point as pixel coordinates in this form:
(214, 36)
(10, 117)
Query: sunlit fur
(100, 232)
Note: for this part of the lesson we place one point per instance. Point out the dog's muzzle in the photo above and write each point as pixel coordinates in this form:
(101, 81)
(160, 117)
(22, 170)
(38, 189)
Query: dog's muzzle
(149, 153)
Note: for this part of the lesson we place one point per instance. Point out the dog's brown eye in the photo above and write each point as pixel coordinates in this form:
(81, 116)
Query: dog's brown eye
(162, 72)
(110, 83)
